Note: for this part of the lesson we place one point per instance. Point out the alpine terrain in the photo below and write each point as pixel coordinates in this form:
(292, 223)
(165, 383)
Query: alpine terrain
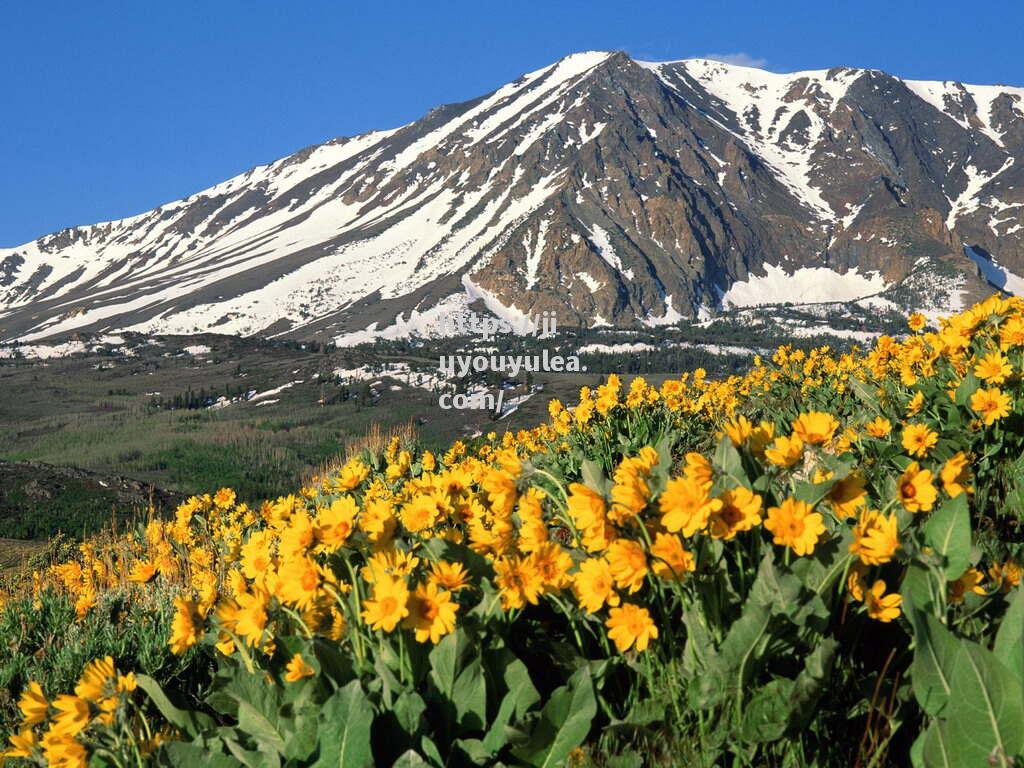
(609, 190)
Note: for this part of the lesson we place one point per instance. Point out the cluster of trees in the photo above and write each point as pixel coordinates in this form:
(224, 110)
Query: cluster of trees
(192, 400)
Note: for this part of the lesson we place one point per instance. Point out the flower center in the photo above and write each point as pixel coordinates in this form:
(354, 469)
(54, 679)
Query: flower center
(309, 580)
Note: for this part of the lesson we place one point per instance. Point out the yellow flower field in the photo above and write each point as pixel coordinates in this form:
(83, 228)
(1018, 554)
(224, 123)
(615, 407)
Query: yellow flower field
(783, 568)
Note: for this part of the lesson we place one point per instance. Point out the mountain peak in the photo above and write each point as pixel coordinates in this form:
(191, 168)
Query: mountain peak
(604, 189)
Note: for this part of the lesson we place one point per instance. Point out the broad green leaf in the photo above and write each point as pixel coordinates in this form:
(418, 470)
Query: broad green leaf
(397, 729)
(730, 667)
(936, 656)
(388, 666)
(408, 710)
(948, 532)
(185, 755)
(1009, 647)
(334, 664)
(345, 723)
(866, 394)
(698, 643)
(986, 711)
(564, 723)
(264, 728)
(457, 675)
(253, 758)
(471, 752)
(775, 587)
(766, 714)
(812, 493)
(811, 680)
(919, 588)
(410, 759)
(823, 573)
(647, 711)
(728, 459)
(191, 723)
(935, 747)
(782, 703)
(301, 736)
(593, 476)
(429, 749)
(967, 387)
(520, 697)
(917, 752)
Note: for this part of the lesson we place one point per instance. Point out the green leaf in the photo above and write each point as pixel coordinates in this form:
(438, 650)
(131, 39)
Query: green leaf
(810, 683)
(728, 459)
(398, 728)
(520, 697)
(917, 752)
(767, 713)
(179, 753)
(1009, 647)
(986, 712)
(775, 593)
(865, 394)
(935, 747)
(812, 493)
(410, 759)
(919, 588)
(646, 711)
(967, 387)
(472, 751)
(936, 655)
(262, 728)
(191, 723)
(430, 751)
(628, 759)
(731, 666)
(457, 675)
(948, 532)
(301, 737)
(345, 723)
(593, 476)
(664, 449)
(334, 664)
(408, 710)
(775, 587)
(698, 646)
(780, 704)
(564, 723)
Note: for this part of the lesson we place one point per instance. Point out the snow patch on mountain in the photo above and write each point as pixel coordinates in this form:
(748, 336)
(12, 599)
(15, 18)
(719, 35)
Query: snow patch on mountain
(807, 285)
(604, 248)
(670, 316)
(436, 322)
(968, 200)
(953, 100)
(765, 104)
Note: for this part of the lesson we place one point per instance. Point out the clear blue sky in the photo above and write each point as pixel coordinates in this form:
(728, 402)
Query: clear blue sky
(108, 109)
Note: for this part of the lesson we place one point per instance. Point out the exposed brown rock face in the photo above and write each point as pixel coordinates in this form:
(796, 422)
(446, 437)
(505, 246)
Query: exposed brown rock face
(605, 189)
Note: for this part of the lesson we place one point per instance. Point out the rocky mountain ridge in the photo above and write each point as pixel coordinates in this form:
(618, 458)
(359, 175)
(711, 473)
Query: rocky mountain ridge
(608, 190)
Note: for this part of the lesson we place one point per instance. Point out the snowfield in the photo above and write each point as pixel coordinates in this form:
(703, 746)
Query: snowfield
(807, 285)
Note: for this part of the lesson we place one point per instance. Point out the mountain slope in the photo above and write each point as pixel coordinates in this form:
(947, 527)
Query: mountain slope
(605, 189)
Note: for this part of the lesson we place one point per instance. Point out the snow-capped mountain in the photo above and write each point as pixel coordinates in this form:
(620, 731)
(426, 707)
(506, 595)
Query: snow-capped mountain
(606, 189)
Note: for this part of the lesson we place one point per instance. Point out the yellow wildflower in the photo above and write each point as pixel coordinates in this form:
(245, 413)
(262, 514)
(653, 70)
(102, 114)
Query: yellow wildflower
(630, 626)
